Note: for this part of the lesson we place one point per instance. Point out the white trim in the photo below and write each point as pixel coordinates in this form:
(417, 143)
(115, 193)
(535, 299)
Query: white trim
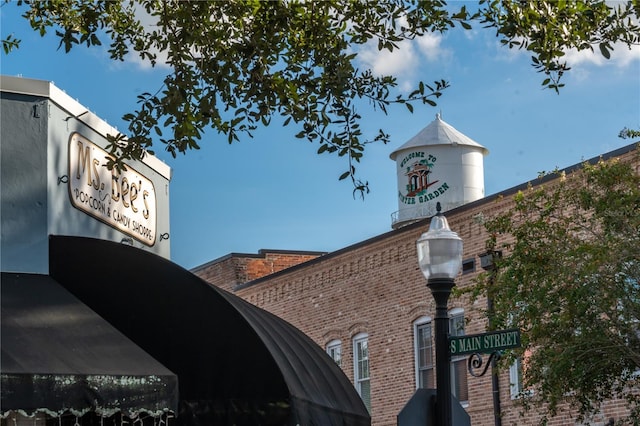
(516, 387)
(457, 312)
(514, 383)
(361, 337)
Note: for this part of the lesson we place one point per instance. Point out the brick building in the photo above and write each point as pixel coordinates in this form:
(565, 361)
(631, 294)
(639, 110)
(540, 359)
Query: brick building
(369, 306)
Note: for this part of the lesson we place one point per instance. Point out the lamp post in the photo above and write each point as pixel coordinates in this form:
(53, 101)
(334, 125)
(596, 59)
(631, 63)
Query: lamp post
(440, 259)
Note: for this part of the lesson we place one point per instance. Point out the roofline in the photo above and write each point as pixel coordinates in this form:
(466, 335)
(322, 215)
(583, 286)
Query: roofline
(423, 223)
(421, 145)
(262, 253)
(43, 88)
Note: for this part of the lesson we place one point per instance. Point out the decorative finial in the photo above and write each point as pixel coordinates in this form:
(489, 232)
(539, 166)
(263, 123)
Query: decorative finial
(437, 116)
(438, 208)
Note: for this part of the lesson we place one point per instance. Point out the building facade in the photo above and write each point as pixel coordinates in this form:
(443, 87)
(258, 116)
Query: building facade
(369, 307)
(54, 181)
(98, 326)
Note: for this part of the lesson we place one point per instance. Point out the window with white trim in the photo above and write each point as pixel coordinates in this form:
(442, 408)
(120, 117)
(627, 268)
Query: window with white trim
(334, 349)
(423, 350)
(458, 363)
(515, 378)
(361, 368)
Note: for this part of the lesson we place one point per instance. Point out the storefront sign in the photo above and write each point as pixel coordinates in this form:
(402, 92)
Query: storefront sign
(421, 187)
(125, 200)
(484, 343)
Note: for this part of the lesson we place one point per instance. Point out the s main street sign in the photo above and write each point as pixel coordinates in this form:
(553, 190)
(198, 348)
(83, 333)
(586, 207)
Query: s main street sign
(485, 343)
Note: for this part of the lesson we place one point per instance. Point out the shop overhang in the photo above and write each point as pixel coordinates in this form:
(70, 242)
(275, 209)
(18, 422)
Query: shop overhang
(57, 355)
(234, 360)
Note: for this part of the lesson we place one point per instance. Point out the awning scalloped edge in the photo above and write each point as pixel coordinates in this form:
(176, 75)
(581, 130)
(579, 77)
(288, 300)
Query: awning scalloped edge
(99, 411)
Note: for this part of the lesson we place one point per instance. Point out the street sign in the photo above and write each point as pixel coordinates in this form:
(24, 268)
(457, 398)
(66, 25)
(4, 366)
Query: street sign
(484, 343)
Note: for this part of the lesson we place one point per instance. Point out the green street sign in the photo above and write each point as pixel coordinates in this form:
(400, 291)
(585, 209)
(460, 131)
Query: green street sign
(484, 343)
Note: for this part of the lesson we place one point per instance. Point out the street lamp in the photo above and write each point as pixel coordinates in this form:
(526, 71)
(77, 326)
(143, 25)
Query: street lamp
(440, 259)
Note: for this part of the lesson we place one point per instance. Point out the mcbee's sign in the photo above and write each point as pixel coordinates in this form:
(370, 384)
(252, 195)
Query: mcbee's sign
(125, 200)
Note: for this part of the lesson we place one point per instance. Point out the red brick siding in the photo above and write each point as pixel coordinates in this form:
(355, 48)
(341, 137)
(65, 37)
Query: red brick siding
(235, 269)
(376, 287)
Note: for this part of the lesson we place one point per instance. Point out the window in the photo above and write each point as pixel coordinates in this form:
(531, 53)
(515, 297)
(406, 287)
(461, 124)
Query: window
(334, 349)
(361, 368)
(423, 348)
(517, 371)
(458, 363)
(515, 378)
(468, 266)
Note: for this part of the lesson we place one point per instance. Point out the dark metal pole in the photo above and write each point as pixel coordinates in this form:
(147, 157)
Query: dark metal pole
(487, 261)
(495, 380)
(441, 289)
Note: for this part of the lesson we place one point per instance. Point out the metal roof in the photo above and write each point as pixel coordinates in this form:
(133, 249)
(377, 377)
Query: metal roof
(438, 132)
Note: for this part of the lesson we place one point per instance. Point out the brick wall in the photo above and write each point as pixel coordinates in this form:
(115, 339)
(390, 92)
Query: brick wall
(376, 287)
(238, 268)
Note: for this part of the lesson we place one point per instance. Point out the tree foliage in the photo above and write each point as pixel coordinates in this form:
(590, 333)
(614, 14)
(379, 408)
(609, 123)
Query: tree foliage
(569, 279)
(627, 133)
(548, 28)
(235, 65)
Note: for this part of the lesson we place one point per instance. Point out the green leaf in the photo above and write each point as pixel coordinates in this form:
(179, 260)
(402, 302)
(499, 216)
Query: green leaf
(570, 259)
(297, 61)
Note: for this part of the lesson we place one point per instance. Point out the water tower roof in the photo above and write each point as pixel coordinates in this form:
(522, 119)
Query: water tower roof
(438, 133)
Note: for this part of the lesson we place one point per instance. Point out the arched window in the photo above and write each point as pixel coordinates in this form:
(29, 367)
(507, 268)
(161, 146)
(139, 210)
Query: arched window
(334, 349)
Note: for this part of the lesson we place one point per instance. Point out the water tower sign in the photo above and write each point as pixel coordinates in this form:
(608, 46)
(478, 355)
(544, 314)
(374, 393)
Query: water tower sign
(439, 164)
(422, 183)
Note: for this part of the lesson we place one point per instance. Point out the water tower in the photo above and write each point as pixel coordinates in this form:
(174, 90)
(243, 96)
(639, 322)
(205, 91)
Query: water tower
(439, 164)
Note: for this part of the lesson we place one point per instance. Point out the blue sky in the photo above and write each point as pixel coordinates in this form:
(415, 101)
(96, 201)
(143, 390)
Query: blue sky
(275, 192)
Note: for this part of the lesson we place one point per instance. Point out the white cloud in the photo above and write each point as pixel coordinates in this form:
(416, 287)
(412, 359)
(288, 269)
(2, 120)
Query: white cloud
(621, 56)
(382, 62)
(148, 22)
(580, 62)
(144, 64)
(430, 46)
(403, 62)
(506, 54)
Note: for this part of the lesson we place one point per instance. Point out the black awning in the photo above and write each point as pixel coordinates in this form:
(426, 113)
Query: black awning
(225, 351)
(59, 355)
